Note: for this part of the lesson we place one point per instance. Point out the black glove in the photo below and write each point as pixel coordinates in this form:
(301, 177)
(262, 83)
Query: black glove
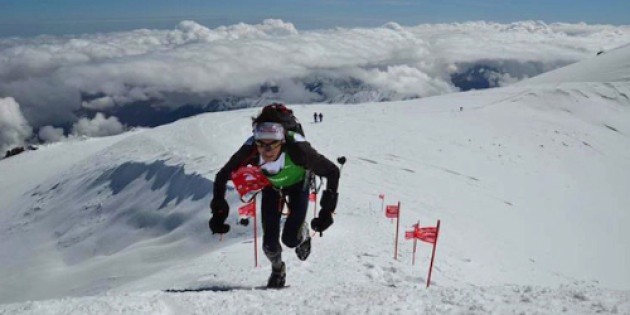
(329, 200)
(328, 205)
(322, 222)
(220, 210)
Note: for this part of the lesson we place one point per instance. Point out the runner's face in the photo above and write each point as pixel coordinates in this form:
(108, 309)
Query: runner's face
(269, 149)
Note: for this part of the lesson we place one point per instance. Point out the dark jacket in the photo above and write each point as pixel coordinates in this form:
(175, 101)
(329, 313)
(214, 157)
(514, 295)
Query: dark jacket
(296, 147)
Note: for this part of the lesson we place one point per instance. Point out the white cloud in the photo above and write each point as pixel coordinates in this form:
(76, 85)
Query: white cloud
(51, 134)
(193, 64)
(99, 126)
(100, 103)
(14, 129)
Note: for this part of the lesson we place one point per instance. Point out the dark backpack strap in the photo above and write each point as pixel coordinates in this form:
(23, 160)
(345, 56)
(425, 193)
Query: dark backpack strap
(250, 157)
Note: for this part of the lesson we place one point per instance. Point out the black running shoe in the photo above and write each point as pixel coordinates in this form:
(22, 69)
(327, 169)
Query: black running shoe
(304, 249)
(277, 278)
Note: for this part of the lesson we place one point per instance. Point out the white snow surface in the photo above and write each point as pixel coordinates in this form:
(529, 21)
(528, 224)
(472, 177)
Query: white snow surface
(530, 183)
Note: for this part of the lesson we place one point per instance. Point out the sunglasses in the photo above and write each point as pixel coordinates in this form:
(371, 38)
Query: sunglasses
(268, 146)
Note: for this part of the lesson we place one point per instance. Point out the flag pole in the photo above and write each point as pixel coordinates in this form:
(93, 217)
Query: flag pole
(315, 207)
(437, 233)
(397, 226)
(314, 210)
(255, 237)
(415, 242)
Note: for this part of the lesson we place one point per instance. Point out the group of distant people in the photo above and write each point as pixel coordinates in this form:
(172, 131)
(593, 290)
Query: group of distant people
(316, 116)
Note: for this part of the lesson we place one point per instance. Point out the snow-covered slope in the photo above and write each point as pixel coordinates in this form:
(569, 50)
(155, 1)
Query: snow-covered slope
(610, 66)
(530, 183)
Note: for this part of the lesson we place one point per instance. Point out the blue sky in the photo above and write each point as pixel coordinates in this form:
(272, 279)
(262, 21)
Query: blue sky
(32, 17)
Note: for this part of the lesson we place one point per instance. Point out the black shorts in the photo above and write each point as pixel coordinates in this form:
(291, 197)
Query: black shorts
(271, 212)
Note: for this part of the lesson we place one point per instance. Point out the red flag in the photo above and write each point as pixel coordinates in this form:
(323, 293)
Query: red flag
(412, 234)
(312, 197)
(392, 211)
(427, 234)
(248, 210)
(248, 179)
(381, 196)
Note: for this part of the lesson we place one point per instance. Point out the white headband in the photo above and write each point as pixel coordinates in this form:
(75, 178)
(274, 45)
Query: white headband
(269, 131)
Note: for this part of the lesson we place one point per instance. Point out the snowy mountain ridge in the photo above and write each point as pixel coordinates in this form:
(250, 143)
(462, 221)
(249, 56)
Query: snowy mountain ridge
(530, 182)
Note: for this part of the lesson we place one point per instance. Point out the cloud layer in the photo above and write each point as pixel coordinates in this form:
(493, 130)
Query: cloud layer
(99, 126)
(55, 79)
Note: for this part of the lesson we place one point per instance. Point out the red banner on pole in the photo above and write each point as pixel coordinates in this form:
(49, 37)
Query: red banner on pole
(434, 241)
(248, 180)
(392, 211)
(427, 234)
(412, 235)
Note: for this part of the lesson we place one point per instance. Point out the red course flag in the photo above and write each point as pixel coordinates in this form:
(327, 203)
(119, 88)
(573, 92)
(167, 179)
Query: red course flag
(381, 196)
(427, 234)
(248, 210)
(412, 234)
(430, 235)
(249, 179)
(392, 211)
